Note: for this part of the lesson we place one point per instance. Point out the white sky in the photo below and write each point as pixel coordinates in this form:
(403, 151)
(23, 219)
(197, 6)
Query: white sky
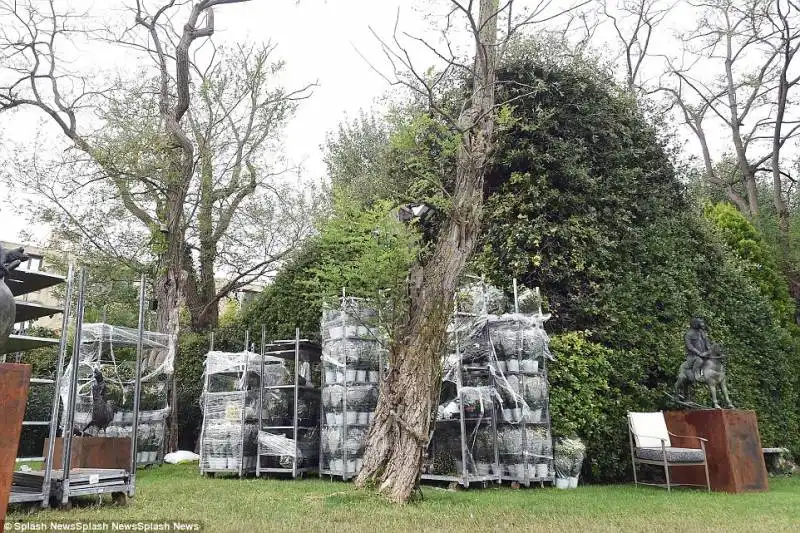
(317, 39)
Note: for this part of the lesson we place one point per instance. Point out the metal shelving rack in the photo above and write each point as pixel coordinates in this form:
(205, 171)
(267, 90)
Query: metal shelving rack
(348, 376)
(34, 486)
(297, 443)
(469, 471)
(60, 485)
(229, 429)
(487, 382)
(542, 462)
(105, 338)
(71, 482)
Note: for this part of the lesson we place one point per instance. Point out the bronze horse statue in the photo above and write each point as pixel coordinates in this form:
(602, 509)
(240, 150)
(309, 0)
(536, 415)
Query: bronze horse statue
(712, 374)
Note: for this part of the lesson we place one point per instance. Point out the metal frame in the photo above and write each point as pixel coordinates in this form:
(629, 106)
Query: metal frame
(240, 471)
(107, 480)
(280, 348)
(666, 463)
(464, 478)
(345, 474)
(44, 495)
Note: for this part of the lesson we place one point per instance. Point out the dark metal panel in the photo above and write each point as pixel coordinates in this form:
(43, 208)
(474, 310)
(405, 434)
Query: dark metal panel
(30, 311)
(22, 343)
(24, 282)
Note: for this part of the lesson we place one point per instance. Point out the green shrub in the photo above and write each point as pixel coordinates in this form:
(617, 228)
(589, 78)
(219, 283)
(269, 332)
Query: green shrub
(758, 260)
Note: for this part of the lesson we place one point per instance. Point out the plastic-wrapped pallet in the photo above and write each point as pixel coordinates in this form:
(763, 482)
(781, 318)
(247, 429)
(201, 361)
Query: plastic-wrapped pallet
(353, 354)
(280, 449)
(495, 386)
(112, 349)
(229, 435)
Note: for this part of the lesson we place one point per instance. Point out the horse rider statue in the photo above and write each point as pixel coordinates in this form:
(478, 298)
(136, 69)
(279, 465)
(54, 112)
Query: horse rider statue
(697, 347)
(705, 363)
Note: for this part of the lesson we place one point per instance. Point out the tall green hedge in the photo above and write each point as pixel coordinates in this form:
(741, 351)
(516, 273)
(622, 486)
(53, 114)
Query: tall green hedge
(586, 205)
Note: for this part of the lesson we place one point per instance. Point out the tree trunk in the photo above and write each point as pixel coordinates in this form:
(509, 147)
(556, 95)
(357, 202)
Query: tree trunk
(711, 175)
(200, 295)
(168, 294)
(398, 437)
(777, 182)
(747, 172)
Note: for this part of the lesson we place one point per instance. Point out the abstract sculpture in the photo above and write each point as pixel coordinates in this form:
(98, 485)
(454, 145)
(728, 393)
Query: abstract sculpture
(9, 260)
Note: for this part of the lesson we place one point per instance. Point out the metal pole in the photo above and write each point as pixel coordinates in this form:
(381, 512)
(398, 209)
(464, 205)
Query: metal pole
(539, 299)
(62, 354)
(245, 388)
(247, 342)
(516, 297)
(211, 344)
(345, 455)
(73, 390)
(137, 387)
(462, 423)
(204, 400)
(296, 395)
(260, 398)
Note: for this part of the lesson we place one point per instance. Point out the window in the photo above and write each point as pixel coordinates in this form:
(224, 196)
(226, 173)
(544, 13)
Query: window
(34, 264)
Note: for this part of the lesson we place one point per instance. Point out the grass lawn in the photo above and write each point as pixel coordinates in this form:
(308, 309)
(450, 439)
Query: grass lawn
(230, 504)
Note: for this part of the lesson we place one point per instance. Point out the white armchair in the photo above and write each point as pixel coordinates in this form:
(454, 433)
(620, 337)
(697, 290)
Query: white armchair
(651, 444)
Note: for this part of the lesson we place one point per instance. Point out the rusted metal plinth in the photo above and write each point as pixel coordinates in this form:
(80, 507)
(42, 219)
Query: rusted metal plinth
(735, 459)
(94, 452)
(14, 381)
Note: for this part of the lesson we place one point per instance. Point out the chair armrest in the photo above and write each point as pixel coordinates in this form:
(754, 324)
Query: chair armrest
(649, 437)
(688, 437)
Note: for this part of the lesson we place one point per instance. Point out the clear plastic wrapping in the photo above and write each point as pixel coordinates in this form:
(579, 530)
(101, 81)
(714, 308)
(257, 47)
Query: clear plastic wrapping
(280, 451)
(230, 400)
(112, 350)
(353, 354)
(495, 380)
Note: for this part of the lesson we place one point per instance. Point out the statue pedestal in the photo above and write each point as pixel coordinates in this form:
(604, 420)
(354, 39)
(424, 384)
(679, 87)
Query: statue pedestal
(93, 452)
(735, 460)
(14, 381)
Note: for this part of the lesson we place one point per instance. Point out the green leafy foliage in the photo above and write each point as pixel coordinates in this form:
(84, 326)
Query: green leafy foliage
(585, 204)
(286, 303)
(365, 249)
(583, 400)
(757, 256)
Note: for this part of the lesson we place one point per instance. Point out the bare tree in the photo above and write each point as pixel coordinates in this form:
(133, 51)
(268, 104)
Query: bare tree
(734, 70)
(398, 437)
(234, 126)
(36, 81)
(634, 23)
(786, 24)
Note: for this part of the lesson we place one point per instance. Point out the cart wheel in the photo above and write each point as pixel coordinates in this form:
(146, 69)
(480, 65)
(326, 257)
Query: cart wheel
(515, 484)
(119, 498)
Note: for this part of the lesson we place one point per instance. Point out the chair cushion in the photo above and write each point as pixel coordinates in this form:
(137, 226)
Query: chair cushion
(674, 455)
(649, 429)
